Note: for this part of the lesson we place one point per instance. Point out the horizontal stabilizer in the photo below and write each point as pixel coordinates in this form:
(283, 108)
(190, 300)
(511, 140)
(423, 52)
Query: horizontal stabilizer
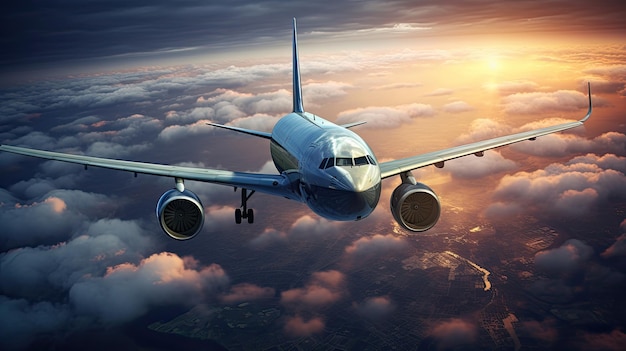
(243, 130)
(353, 124)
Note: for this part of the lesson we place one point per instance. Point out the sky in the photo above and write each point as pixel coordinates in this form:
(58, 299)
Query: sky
(139, 80)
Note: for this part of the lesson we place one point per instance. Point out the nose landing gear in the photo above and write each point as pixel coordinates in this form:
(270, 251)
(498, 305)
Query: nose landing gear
(244, 212)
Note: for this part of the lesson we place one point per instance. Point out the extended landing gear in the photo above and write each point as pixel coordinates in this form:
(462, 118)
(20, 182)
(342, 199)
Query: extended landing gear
(244, 212)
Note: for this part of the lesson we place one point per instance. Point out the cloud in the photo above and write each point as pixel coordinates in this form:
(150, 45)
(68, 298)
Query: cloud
(376, 308)
(375, 245)
(322, 289)
(27, 271)
(316, 92)
(21, 321)
(471, 167)
(618, 248)
(307, 227)
(537, 103)
(298, 327)
(440, 92)
(246, 292)
(612, 341)
(127, 291)
(269, 237)
(50, 220)
(564, 260)
(177, 132)
(482, 129)
(512, 87)
(454, 333)
(558, 145)
(457, 107)
(569, 189)
(545, 331)
(386, 117)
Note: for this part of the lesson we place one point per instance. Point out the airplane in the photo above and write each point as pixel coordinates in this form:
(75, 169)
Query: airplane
(324, 165)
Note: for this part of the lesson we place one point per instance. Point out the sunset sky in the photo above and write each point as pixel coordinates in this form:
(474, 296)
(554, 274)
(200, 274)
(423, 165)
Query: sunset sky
(138, 80)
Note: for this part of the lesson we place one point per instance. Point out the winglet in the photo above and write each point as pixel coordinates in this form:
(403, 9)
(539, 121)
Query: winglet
(297, 86)
(588, 111)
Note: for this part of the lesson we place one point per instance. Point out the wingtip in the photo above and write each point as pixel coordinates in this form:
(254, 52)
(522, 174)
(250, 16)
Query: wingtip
(590, 103)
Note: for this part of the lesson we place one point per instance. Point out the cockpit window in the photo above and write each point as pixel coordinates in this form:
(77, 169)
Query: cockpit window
(331, 162)
(344, 161)
(371, 159)
(359, 161)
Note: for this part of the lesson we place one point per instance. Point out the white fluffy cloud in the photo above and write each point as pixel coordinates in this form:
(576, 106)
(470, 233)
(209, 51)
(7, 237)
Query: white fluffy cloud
(567, 189)
(536, 102)
(457, 107)
(471, 167)
(386, 117)
(375, 245)
(127, 290)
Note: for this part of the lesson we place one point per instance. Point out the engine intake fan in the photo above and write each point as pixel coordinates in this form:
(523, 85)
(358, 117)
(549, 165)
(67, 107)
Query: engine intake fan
(415, 207)
(180, 214)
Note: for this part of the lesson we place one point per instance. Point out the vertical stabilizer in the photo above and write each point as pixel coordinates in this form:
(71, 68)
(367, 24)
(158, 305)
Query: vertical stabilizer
(297, 85)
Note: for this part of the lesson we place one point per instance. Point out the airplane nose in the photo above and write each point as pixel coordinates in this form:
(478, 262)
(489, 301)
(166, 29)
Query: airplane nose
(357, 179)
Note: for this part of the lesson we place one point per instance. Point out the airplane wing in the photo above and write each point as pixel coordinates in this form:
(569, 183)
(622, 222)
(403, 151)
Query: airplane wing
(274, 184)
(243, 130)
(438, 158)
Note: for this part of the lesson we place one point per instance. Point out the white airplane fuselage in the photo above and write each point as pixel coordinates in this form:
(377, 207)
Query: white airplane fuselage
(339, 176)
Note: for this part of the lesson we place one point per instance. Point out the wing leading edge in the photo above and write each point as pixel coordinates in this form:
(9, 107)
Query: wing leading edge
(274, 184)
(396, 167)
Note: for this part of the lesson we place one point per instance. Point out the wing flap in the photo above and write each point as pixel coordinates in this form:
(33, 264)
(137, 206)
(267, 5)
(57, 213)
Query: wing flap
(399, 166)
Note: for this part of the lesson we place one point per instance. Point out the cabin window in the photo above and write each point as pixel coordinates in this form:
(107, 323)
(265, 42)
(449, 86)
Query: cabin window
(323, 164)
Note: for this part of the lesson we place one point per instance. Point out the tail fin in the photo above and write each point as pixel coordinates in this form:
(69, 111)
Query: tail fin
(297, 85)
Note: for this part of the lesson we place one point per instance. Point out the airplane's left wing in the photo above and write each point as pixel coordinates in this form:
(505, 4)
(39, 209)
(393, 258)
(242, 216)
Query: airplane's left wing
(273, 184)
(437, 158)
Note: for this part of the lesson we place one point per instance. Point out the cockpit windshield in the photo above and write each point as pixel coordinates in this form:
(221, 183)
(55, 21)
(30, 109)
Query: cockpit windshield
(346, 161)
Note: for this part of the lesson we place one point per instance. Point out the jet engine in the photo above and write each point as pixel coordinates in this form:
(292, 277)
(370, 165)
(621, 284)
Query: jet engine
(180, 214)
(415, 206)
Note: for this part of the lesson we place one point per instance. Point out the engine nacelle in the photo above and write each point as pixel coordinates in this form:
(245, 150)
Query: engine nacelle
(180, 214)
(415, 207)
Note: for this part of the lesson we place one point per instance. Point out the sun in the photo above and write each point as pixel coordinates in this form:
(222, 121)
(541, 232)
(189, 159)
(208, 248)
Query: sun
(493, 63)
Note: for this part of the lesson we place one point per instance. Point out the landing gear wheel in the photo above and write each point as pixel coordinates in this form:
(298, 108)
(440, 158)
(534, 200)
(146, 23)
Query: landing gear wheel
(244, 211)
(238, 216)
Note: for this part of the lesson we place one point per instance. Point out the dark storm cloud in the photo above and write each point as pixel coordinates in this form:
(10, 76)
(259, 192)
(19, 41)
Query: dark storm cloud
(68, 30)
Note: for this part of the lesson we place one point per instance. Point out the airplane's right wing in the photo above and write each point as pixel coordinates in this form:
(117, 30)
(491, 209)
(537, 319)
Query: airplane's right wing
(274, 184)
(437, 158)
